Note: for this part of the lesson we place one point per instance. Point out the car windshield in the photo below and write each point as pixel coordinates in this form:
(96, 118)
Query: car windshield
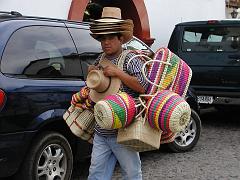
(211, 39)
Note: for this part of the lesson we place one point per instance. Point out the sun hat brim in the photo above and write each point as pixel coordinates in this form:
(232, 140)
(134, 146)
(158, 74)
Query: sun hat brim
(101, 23)
(112, 89)
(123, 27)
(127, 35)
(109, 20)
(105, 26)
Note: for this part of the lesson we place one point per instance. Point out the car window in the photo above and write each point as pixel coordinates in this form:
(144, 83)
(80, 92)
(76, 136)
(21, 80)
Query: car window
(135, 45)
(41, 52)
(211, 39)
(88, 48)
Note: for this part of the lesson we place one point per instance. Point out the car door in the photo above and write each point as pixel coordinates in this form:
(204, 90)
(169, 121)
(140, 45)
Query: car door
(42, 71)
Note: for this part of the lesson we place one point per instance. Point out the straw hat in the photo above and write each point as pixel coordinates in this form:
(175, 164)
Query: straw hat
(111, 22)
(100, 85)
(111, 14)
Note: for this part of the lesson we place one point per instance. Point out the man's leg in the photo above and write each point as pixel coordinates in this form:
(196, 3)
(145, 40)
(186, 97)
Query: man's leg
(129, 161)
(102, 160)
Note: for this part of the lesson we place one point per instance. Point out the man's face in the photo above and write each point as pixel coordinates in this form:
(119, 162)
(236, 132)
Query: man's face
(111, 44)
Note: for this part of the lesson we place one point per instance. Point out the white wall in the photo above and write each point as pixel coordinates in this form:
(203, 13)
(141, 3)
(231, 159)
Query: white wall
(45, 8)
(164, 14)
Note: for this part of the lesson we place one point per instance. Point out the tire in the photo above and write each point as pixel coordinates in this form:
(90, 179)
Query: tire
(50, 157)
(188, 138)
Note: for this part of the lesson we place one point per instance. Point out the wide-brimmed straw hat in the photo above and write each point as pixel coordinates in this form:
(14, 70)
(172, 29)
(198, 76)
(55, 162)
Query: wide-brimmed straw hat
(111, 22)
(100, 85)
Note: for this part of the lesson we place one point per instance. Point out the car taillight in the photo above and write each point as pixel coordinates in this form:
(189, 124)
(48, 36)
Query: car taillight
(2, 98)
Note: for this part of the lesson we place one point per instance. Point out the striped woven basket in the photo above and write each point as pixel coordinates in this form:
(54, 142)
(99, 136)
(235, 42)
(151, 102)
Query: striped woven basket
(115, 111)
(168, 71)
(168, 111)
(82, 99)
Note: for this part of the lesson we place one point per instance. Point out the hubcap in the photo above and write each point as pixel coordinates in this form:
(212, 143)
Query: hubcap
(52, 163)
(186, 137)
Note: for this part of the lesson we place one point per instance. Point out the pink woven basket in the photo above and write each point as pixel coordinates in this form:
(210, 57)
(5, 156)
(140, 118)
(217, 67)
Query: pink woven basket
(115, 111)
(168, 71)
(168, 111)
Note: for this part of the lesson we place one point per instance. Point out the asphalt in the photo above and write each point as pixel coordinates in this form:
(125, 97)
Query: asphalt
(215, 157)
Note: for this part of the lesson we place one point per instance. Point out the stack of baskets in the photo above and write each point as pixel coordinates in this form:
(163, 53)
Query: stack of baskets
(118, 111)
(79, 116)
(171, 73)
(166, 111)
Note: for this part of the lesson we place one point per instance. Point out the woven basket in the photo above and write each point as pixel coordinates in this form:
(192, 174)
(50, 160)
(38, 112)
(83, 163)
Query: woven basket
(168, 111)
(115, 111)
(139, 136)
(167, 71)
(82, 99)
(80, 121)
(67, 114)
(167, 137)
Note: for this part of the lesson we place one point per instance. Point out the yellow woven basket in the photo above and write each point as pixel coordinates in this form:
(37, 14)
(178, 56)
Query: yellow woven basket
(139, 136)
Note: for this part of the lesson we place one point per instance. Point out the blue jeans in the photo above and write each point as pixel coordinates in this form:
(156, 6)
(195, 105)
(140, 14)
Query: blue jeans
(106, 151)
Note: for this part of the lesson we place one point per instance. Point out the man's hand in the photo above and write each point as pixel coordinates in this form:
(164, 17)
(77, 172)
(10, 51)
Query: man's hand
(92, 67)
(111, 71)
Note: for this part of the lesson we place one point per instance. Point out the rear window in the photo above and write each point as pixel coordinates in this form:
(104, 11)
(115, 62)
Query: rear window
(211, 39)
(41, 52)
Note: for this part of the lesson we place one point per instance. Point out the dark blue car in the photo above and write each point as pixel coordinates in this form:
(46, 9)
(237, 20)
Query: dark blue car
(43, 63)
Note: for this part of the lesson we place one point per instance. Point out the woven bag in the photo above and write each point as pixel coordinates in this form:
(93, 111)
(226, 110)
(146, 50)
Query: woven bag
(168, 111)
(139, 136)
(115, 111)
(167, 71)
(80, 121)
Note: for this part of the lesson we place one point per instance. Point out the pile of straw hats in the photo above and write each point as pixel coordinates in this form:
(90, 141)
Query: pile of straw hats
(111, 22)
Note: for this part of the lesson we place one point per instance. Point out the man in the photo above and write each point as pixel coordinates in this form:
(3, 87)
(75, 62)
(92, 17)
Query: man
(112, 32)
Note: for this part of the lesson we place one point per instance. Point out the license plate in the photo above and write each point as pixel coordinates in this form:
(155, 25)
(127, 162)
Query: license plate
(205, 99)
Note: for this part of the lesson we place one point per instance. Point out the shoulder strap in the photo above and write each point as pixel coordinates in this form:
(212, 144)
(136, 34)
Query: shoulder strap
(122, 58)
(102, 57)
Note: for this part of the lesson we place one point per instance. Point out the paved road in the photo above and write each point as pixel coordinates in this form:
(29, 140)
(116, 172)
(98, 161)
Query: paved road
(216, 156)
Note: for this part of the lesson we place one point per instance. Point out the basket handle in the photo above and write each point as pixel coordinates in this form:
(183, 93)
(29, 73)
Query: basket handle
(145, 76)
(150, 60)
(138, 55)
(142, 103)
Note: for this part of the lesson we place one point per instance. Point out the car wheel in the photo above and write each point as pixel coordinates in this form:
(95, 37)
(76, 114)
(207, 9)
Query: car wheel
(188, 138)
(50, 157)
